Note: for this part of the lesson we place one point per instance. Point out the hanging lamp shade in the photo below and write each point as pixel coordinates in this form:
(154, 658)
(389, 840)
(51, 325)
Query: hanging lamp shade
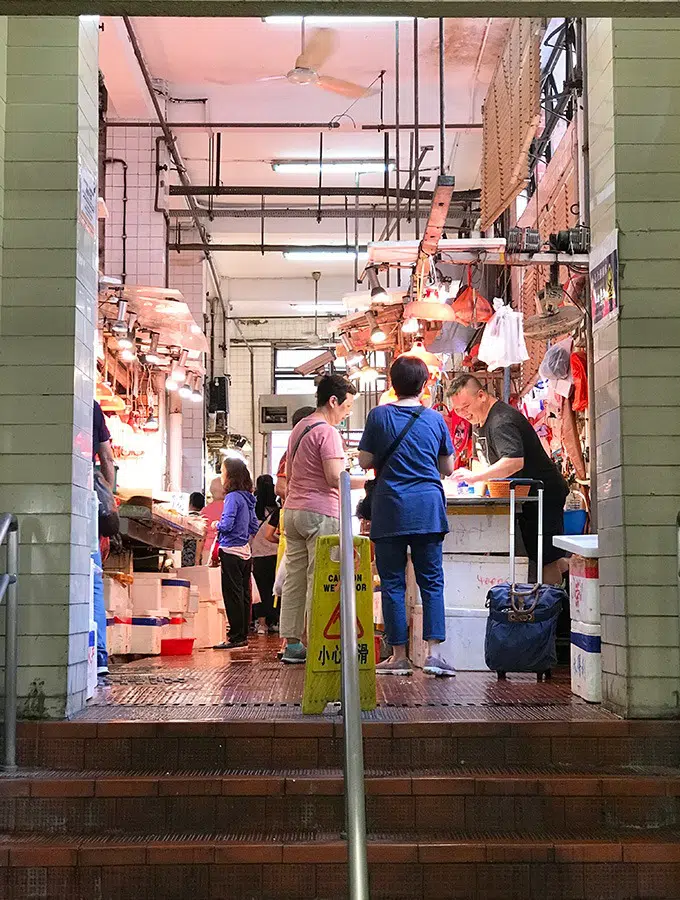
(431, 360)
(103, 390)
(112, 404)
(429, 311)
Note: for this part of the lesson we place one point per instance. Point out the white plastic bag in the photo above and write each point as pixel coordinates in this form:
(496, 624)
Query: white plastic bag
(280, 577)
(503, 342)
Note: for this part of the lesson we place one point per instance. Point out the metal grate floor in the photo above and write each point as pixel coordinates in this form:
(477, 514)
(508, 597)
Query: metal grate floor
(252, 684)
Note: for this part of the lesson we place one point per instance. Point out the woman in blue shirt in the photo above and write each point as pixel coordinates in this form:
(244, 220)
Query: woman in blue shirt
(410, 448)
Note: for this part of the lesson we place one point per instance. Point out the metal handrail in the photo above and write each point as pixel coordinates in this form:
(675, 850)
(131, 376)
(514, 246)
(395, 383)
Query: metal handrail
(9, 530)
(355, 803)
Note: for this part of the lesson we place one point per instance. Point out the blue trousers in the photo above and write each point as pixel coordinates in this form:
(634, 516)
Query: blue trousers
(100, 613)
(426, 555)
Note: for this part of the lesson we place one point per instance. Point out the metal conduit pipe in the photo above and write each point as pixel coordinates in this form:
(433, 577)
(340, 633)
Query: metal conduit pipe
(116, 160)
(416, 121)
(373, 212)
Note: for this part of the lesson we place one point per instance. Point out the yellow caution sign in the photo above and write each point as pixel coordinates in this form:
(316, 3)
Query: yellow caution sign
(322, 671)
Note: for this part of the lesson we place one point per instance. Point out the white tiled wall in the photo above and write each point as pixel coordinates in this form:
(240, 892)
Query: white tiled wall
(49, 281)
(145, 254)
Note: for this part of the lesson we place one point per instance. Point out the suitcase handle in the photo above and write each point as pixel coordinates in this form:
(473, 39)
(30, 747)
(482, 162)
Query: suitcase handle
(517, 598)
(535, 482)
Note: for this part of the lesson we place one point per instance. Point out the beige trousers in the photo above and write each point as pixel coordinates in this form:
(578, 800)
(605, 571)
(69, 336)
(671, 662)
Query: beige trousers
(302, 528)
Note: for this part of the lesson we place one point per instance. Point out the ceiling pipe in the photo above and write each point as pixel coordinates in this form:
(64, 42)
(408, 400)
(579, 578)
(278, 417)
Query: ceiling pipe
(270, 248)
(207, 190)
(337, 212)
(178, 162)
(290, 126)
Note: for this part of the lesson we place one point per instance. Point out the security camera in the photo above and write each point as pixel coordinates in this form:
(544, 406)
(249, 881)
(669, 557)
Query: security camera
(315, 365)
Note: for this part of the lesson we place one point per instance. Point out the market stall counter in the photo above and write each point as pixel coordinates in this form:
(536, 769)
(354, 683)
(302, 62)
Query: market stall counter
(476, 557)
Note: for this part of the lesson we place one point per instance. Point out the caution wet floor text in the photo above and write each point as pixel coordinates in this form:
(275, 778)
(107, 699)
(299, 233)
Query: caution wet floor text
(324, 651)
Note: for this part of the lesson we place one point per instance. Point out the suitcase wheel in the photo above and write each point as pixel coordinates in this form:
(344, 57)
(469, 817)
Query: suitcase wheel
(544, 676)
(502, 676)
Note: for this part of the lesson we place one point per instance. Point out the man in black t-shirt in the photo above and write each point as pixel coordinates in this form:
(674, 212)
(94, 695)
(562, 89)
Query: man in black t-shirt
(510, 446)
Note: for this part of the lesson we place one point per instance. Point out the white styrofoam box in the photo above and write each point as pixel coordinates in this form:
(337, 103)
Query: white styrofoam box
(118, 633)
(175, 593)
(584, 590)
(469, 578)
(208, 625)
(146, 591)
(207, 579)
(586, 661)
(477, 533)
(174, 627)
(464, 644)
(189, 626)
(194, 599)
(91, 660)
(116, 595)
(147, 632)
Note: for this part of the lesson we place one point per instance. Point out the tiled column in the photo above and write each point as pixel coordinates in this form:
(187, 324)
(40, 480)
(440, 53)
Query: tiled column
(49, 282)
(634, 112)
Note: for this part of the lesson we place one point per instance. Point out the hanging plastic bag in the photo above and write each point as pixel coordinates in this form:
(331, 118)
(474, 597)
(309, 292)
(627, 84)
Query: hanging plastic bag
(556, 365)
(469, 307)
(280, 577)
(502, 343)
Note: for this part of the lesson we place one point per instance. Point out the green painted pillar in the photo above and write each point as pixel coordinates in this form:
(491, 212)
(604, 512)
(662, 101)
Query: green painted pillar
(47, 328)
(634, 123)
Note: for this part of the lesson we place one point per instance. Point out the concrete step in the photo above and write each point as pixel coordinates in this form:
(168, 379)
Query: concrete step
(405, 800)
(176, 746)
(595, 865)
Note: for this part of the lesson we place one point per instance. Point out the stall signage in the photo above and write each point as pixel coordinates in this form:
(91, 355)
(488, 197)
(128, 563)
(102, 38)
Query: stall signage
(324, 653)
(604, 280)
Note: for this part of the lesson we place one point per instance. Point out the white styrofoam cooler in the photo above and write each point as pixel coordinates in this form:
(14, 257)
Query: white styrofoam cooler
(175, 593)
(116, 595)
(146, 591)
(464, 644)
(586, 661)
(468, 578)
(584, 590)
(118, 632)
(91, 660)
(207, 579)
(148, 629)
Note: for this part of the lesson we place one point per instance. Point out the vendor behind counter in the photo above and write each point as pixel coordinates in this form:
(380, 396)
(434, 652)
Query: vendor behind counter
(512, 448)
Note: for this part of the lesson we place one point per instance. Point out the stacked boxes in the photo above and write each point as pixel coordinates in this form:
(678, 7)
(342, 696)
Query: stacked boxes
(149, 615)
(586, 631)
(210, 622)
(118, 615)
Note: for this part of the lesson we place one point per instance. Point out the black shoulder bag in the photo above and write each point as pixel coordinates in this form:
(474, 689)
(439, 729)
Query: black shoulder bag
(367, 503)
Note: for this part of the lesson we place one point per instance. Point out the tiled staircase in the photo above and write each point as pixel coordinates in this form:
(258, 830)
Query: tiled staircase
(253, 809)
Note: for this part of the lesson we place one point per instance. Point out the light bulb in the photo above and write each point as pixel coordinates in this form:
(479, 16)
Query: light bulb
(411, 326)
(196, 393)
(185, 392)
(152, 359)
(178, 373)
(378, 336)
(379, 295)
(127, 355)
(170, 384)
(151, 423)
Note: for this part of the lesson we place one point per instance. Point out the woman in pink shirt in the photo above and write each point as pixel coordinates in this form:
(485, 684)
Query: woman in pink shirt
(211, 513)
(315, 460)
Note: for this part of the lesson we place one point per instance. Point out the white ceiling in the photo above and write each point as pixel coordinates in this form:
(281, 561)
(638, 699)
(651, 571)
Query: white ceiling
(221, 60)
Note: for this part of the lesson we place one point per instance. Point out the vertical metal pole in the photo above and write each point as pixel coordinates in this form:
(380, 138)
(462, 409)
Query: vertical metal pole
(416, 122)
(11, 661)
(507, 384)
(397, 135)
(442, 101)
(356, 232)
(355, 806)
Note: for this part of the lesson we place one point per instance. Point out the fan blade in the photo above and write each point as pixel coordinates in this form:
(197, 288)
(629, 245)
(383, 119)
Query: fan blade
(235, 83)
(317, 50)
(346, 88)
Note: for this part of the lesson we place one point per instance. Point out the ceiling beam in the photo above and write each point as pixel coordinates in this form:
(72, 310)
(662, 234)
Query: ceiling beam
(333, 125)
(434, 229)
(293, 212)
(209, 190)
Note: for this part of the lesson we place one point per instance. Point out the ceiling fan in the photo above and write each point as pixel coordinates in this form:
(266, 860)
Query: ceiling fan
(314, 53)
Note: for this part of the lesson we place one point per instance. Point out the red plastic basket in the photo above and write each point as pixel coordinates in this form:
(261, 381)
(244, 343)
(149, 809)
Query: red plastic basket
(177, 646)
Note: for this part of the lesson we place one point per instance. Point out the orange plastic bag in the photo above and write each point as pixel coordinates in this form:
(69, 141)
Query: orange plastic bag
(469, 307)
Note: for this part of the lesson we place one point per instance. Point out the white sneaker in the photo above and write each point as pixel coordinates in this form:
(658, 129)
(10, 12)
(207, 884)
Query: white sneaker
(393, 666)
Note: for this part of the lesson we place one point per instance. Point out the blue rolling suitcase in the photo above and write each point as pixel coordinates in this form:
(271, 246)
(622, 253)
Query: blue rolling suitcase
(522, 623)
